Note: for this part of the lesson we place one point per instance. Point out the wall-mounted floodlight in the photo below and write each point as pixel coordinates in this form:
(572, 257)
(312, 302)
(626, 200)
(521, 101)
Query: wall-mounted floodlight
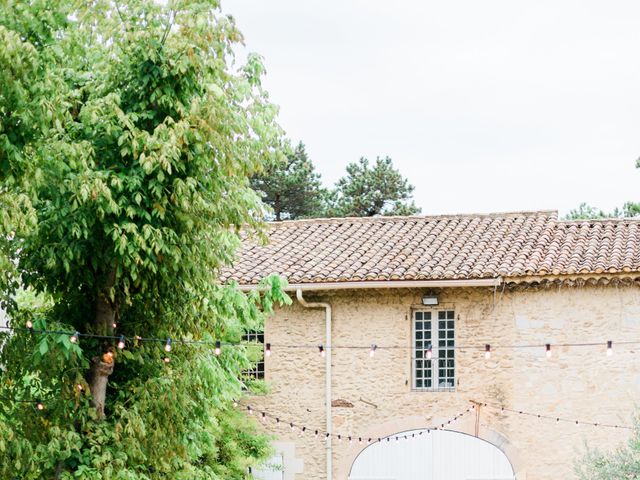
(430, 299)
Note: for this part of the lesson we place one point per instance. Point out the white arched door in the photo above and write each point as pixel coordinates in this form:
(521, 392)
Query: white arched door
(431, 455)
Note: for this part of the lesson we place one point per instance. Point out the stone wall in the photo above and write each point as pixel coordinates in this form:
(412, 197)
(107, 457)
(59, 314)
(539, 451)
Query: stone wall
(581, 383)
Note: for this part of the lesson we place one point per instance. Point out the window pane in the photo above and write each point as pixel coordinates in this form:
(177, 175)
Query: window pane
(257, 372)
(422, 342)
(446, 349)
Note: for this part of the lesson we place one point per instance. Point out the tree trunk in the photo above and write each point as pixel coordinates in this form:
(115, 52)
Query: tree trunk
(277, 208)
(102, 364)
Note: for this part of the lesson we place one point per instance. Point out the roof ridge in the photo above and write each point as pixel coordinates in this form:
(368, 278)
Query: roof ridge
(322, 220)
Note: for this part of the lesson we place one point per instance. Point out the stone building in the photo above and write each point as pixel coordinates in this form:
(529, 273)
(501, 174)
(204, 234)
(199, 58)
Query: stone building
(434, 294)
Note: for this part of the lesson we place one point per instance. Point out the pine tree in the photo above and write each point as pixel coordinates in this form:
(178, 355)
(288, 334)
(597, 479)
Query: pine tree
(292, 188)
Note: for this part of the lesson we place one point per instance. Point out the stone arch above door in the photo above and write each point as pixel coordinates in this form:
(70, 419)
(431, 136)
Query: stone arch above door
(413, 424)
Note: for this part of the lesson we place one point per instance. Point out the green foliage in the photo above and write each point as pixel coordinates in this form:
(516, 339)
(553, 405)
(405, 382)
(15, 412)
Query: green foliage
(587, 212)
(126, 144)
(623, 462)
(372, 190)
(292, 188)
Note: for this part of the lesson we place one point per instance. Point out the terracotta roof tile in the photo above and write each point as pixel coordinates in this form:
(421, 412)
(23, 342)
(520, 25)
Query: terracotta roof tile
(439, 247)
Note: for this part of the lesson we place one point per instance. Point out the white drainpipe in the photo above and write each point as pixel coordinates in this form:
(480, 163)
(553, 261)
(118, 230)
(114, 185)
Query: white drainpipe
(327, 370)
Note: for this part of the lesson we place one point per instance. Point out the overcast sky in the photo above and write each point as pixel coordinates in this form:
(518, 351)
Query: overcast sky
(492, 105)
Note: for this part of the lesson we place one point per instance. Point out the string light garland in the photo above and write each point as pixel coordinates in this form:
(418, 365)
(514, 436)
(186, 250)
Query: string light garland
(351, 438)
(373, 348)
(39, 405)
(556, 419)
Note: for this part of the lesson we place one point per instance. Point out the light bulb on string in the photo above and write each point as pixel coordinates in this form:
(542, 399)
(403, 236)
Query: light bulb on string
(350, 441)
(114, 325)
(121, 342)
(429, 352)
(39, 405)
(29, 325)
(372, 352)
(74, 338)
(167, 346)
(249, 409)
(609, 348)
(315, 434)
(292, 426)
(321, 350)
(267, 350)
(166, 359)
(548, 350)
(218, 348)
(263, 417)
(487, 351)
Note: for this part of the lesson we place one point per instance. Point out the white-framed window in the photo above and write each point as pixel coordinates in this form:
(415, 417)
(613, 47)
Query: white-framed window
(434, 355)
(257, 371)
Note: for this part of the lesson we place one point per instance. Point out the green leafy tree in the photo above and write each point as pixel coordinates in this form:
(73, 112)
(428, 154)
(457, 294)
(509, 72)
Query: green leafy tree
(292, 188)
(624, 462)
(369, 190)
(587, 212)
(126, 145)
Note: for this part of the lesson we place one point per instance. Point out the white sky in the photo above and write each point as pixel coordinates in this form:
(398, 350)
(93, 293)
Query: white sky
(491, 105)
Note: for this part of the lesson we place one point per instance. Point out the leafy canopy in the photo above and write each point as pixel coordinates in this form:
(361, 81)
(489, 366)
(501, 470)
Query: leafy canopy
(127, 138)
(292, 188)
(623, 462)
(587, 212)
(369, 190)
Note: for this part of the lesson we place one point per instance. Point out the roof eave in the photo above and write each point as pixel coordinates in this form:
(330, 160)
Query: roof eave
(377, 284)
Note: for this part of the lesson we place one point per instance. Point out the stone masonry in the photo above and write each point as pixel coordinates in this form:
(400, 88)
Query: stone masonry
(373, 396)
